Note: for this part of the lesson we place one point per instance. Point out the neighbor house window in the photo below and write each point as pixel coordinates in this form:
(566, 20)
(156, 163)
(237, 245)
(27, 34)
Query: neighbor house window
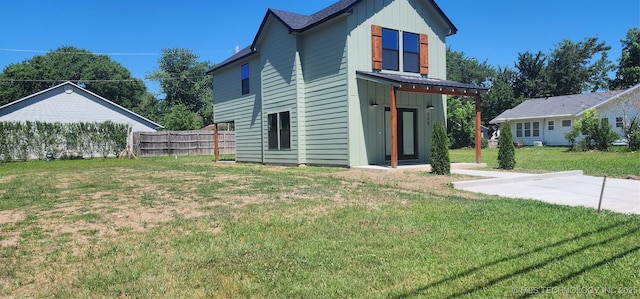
(619, 122)
(279, 130)
(390, 51)
(551, 125)
(566, 123)
(536, 129)
(411, 52)
(519, 130)
(245, 78)
(527, 129)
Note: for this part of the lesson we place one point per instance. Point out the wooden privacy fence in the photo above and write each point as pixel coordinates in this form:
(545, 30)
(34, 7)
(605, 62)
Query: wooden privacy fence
(182, 143)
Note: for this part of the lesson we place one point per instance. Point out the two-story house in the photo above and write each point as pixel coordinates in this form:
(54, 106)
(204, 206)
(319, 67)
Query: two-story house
(359, 82)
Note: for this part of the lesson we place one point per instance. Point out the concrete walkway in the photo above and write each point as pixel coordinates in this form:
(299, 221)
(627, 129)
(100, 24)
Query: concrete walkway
(570, 188)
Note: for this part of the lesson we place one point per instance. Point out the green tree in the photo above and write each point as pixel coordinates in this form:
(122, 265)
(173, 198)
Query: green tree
(180, 118)
(461, 122)
(501, 95)
(628, 70)
(531, 78)
(183, 82)
(578, 67)
(465, 69)
(506, 149)
(440, 162)
(96, 73)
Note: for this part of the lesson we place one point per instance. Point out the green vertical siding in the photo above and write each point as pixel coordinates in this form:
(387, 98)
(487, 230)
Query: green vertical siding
(366, 124)
(231, 105)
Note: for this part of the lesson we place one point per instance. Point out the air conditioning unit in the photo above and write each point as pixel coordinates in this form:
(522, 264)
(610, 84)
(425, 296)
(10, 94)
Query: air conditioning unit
(537, 143)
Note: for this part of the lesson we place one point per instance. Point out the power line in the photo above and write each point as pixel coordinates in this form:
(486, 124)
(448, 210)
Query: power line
(83, 53)
(101, 80)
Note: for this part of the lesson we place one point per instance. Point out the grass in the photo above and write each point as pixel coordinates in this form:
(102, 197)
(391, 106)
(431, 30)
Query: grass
(617, 163)
(190, 228)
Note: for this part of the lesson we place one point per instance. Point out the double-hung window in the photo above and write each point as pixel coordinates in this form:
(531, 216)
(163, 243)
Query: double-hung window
(279, 131)
(619, 122)
(411, 52)
(245, 78)
(393, 51)
(551, 125)
(390, 51)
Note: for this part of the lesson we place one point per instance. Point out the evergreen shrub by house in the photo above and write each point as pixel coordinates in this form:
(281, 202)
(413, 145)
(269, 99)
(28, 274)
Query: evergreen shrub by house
(440, 162)
(20, 141)
(506, 149)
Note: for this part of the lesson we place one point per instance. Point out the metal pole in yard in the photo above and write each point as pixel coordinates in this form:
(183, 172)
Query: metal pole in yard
(602, 192)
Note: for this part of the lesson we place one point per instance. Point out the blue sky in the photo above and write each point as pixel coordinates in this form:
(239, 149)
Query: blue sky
(491, 30)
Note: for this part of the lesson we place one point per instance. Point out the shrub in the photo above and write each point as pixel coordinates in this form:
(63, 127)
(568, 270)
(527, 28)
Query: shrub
(440, 163)
(633, 134)
(506, 150)
(598, 134)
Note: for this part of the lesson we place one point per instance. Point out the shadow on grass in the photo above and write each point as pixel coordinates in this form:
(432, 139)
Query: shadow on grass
(419, 291)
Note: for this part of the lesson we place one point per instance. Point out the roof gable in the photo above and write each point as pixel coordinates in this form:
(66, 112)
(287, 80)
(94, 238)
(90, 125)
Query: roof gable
(299, 23)
(568, 106)
(24, 102)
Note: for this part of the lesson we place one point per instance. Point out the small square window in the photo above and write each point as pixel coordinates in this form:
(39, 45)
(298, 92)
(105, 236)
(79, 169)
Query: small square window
(566, 123)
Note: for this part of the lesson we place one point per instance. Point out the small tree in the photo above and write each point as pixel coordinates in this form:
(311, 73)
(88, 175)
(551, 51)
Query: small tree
(597, 132)
(633, 134)
(506, 150)
(440, 163)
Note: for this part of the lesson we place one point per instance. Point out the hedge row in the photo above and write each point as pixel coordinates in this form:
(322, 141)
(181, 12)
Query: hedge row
(21, 141)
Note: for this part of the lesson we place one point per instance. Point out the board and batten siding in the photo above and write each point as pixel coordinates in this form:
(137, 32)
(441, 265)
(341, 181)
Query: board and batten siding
(413, 16)
(279, 87)
(244, 110)
(324, 65)
(71, 104)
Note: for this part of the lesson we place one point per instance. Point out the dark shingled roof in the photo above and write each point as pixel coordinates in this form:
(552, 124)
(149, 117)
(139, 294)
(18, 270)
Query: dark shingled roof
(569, 105)
(299, 23)
(421, 81)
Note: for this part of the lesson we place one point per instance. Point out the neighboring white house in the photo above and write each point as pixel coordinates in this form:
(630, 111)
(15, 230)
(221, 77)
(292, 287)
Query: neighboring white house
(547, 120)
(70, 103)
(320, 89)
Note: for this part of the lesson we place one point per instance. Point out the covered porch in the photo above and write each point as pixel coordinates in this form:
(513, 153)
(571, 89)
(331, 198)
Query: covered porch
(397, 83)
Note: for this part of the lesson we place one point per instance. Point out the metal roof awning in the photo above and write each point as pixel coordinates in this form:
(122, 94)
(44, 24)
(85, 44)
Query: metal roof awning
(423, 84)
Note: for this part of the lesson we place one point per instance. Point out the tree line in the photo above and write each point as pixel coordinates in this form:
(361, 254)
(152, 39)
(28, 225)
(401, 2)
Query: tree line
(571, 67)
(187, 103)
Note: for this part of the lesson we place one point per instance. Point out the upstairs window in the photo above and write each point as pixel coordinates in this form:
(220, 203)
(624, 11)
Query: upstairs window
(390, 50)
(385, 51)
(245, 78)
(411, 52)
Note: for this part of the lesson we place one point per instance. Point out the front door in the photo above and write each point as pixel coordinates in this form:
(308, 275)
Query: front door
(407, 134)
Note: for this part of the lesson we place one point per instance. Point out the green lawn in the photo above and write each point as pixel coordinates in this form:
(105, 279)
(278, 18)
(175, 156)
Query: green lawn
(617, 163)
(190, 228)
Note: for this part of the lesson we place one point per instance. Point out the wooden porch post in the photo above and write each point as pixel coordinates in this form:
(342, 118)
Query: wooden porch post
(478, 130)
(394, 129)
(216, 150)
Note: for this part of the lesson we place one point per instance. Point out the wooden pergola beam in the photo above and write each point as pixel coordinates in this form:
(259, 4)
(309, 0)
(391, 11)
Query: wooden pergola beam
(394, 128)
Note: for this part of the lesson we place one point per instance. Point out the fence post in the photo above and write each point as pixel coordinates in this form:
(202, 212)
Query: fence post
(602, 192)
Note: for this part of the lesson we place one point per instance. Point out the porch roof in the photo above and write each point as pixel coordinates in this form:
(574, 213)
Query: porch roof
(423, 84)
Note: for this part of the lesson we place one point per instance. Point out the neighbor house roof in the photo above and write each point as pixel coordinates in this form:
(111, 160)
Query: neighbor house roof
(10, 106)
(300, 23)
(569, 105)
